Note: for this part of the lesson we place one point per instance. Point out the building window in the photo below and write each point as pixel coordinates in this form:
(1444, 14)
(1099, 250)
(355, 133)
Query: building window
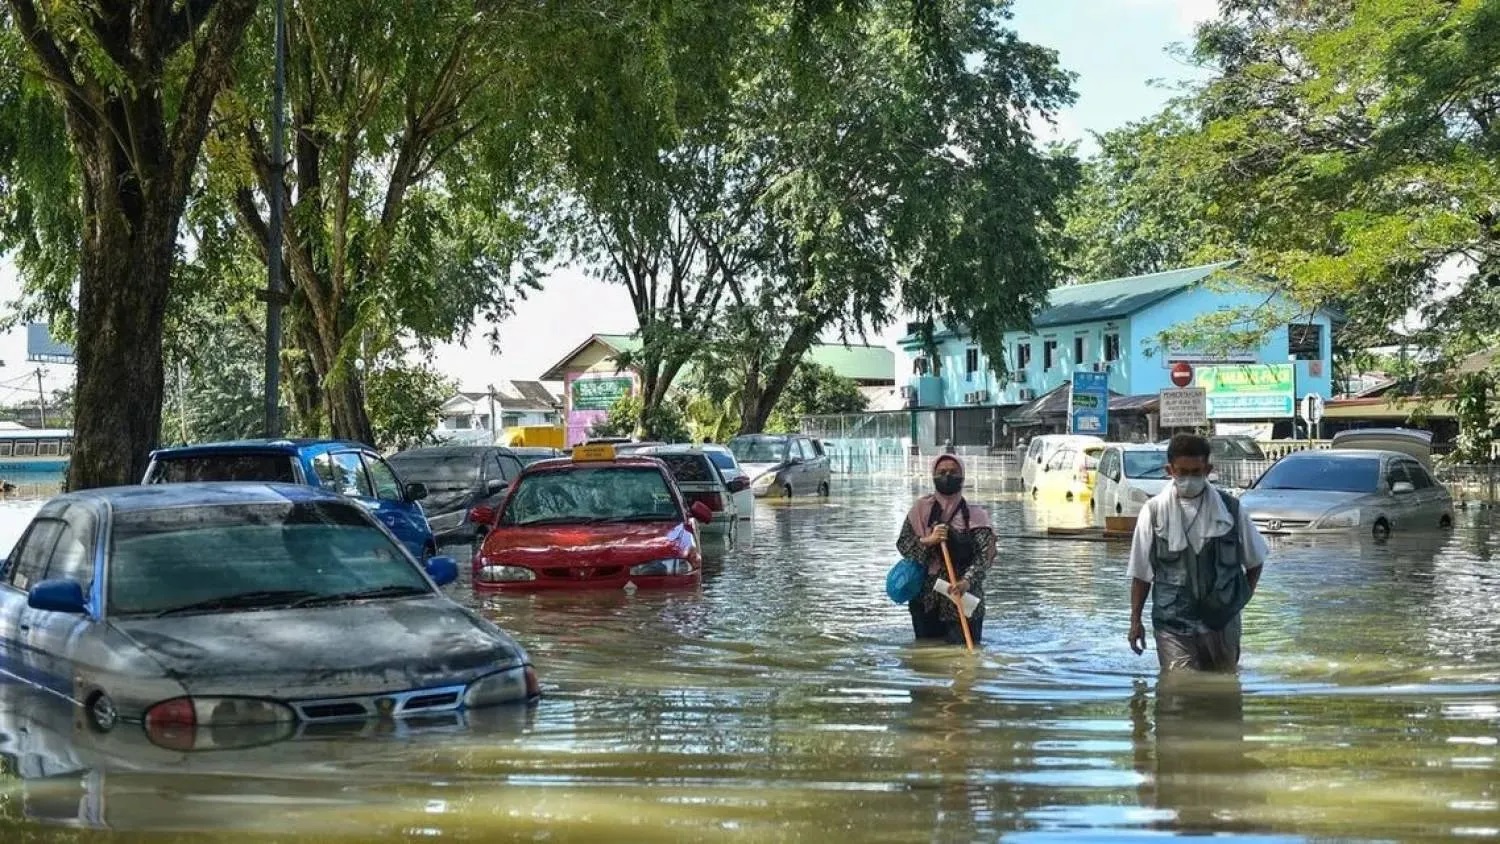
(1049, 354)
(1111, 348)
(1304, 341)
(1023, 356)
(1080, 348)
(971, 362)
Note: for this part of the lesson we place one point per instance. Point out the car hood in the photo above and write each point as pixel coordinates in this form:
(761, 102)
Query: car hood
(587, 545)
(365, 647)
(1150, 486)
(1298, 504)
(754, 470)
(444, 498)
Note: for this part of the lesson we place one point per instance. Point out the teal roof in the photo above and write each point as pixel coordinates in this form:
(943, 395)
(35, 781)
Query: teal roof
(857, 363)
(1103, 300)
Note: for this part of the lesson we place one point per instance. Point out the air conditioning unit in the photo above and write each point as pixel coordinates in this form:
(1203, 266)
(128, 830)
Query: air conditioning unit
(1026, 394)
(908, 392)
(981, 396)
(1018, 377)
(1101, 367)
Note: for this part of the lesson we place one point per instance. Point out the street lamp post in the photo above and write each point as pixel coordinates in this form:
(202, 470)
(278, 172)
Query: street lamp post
(275, 293)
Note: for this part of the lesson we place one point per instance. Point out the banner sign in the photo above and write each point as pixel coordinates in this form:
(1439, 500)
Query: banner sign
(1088, 404)
(598, 393)
(1252, 391)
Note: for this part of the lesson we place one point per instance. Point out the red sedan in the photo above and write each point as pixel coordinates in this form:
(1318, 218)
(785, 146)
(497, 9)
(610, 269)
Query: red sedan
(594, 521)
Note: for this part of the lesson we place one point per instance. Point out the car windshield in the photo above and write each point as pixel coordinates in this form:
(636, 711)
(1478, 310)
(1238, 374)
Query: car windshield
(244, 556)
(272, 468)
(1235, 448)
(1323, 472)
(759, 449)
(439, 469)
(722, 459)
(688, 468)
(595, 494)
(529, 457)
(1146, 465)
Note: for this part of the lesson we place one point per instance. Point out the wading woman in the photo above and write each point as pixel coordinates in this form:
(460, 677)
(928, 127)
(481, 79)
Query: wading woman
(945, 516)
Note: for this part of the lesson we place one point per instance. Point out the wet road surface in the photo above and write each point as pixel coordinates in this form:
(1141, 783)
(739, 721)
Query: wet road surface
(785, 701)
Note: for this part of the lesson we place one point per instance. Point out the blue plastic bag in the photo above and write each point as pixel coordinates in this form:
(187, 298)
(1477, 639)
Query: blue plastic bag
(904, 581)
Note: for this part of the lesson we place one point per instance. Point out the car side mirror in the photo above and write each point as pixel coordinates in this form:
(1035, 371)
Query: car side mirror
(494, 485)
(442, 570)
(739, 484)
(58, 596)
(416, 492)
(794, 461)
(1402, 488)
(482, 515)
(701, 512)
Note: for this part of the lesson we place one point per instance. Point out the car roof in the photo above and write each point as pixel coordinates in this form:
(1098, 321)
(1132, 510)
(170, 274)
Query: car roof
(435, 450)
(1139, 446)
(259, 446)
(620, 460)
(1348, 452)
(199, 493)
(763, 437)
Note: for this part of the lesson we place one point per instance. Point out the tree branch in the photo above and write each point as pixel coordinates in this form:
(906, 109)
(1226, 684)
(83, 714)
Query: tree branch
(210, 71)
(59, 71)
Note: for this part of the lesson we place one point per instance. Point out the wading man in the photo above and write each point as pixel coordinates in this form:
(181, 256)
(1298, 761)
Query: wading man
(1198, 558)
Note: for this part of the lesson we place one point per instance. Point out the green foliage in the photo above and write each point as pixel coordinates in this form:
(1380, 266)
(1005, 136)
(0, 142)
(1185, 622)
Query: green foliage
(1477, 405)
(814, 390)
(626, 418)
(405, 402)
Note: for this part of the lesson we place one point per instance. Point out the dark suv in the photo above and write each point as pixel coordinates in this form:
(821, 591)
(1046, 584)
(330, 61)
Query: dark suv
(458, 478)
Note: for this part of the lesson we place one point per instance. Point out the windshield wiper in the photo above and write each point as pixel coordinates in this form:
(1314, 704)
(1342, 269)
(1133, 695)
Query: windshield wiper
(258, 599)
(555, 520)
(394, 590)
(639, 517)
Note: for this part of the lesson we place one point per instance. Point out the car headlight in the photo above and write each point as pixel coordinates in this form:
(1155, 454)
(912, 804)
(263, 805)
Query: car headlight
(217, 712)
(662, 568)
(504, 574)
(1341, 519)
(510, 686)
(764, 481)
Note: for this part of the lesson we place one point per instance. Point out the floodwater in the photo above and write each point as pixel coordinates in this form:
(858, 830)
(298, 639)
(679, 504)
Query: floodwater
(785, 701)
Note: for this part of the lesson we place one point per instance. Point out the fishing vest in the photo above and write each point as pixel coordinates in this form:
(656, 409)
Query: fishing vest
(1207, 586)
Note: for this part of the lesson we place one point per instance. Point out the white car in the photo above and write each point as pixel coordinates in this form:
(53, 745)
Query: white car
(1129, 475)
(729, 467)
(1041, 448)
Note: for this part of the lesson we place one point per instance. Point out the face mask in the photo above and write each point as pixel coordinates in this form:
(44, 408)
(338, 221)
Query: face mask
(948, 484)
(1190, 487)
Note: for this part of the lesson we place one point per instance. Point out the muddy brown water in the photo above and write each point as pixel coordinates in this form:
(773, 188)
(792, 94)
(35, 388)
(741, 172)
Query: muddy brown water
(784, 700)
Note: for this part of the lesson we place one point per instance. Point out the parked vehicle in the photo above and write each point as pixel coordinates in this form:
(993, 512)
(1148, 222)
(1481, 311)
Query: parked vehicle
(458, 478)
(1129, 475)
(531, 454)
(1040, 449)
(348, 468)
(1352, 489)
(1409, 441)
(597, 520)
(182, 605)
(699, 480)
(35, 449)
(783, 464)
(1069, 473)
(729, 467)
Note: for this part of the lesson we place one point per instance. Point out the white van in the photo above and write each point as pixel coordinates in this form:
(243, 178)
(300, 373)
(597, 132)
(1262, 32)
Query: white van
(1041, 448)
(1129, 476)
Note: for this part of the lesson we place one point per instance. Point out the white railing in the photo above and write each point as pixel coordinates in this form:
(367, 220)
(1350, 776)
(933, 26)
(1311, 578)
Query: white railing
(1277, 449)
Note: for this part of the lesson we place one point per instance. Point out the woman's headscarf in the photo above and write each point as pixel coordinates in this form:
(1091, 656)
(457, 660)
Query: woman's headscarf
(948, 506)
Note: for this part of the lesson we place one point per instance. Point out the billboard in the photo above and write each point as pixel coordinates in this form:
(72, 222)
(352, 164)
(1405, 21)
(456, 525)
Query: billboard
(589, 398)
(1088, 403)
(41, 348)
(1251, 391)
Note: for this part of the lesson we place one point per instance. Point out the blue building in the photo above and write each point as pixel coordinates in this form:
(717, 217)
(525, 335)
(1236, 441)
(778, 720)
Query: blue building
(1115, 327)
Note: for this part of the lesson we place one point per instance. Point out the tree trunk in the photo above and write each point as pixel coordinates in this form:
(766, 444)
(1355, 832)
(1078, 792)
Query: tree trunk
(757, 406)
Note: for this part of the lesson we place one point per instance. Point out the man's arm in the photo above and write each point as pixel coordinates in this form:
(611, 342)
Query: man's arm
(1139, 591)
(1140, 564)
(1253, 575)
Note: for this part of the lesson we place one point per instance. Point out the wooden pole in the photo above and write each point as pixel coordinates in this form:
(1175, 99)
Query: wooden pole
(963, 621)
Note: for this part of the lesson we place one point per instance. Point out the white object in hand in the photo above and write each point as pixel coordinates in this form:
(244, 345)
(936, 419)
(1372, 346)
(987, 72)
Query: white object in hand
(970, 603)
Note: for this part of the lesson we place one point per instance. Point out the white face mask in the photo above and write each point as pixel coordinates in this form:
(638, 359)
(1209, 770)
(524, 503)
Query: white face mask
(1190, 487)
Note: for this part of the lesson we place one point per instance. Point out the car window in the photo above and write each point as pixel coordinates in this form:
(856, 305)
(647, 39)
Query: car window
(1419, 476)
(689, 468)
(816, 446)
(28, 563)
(1034, 450)
(510, 467)
(272, 468)
(1146, 465)
(1397, 474)
(723, 459)
(759, 449)
(170, 558)
(387, 485)
(1109, 466)
(439, 469)
(1331, 473)
(73, 554)
(1061, 459)
(595, 494)
(343, 473)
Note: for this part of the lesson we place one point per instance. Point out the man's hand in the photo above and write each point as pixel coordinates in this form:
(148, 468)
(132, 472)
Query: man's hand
(1137, 636)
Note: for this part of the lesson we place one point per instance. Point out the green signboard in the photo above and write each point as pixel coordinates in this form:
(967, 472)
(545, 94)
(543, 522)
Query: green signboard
(599, 393)
(1249, 391)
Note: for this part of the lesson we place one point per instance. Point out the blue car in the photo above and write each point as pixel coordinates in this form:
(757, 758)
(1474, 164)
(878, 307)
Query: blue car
(347, 468)
(181, 607)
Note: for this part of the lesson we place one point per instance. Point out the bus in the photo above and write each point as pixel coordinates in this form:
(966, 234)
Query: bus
(34, 450)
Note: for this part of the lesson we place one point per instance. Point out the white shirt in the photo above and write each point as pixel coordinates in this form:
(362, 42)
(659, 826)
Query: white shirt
(1253, 548)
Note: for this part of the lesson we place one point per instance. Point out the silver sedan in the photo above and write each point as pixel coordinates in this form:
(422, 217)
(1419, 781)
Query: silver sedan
(1347, 490)
(181, 606)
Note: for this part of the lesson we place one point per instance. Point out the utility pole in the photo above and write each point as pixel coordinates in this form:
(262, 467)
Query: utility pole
(41, 396)
(275, 293)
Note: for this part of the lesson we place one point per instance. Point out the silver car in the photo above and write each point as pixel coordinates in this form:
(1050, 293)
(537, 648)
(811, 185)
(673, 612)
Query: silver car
(179, 606)
(1348, 490)
(700, 479)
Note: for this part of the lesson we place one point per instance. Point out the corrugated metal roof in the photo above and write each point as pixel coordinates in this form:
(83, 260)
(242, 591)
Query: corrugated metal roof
(1055, 404)
(865, 364)
(1118, 297)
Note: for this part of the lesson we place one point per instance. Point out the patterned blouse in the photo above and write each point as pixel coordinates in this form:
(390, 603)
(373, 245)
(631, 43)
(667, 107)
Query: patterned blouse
(909, 545)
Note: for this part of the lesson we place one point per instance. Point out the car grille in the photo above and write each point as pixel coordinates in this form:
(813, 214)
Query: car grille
(1281, 524)
(395, 704)
(567, 573)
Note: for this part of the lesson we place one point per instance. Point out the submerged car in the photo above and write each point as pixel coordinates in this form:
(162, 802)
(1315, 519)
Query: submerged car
(457, 478)
(1129, 475)
(598, 520)
(347, 468)
(1348, 490)
(783, 465)
(180, 606)
(699, 479)
(729, 467)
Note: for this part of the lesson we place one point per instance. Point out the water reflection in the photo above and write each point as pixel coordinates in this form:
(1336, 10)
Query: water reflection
(783, 699)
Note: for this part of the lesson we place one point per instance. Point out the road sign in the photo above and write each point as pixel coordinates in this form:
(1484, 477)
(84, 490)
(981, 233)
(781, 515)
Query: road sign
(1183, 408)
(1251, 391)
(1182, 374)
(1312, 408)
(1088, 404)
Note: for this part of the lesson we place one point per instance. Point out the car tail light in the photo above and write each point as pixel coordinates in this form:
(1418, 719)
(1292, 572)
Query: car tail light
(712, 500)
(533, 686)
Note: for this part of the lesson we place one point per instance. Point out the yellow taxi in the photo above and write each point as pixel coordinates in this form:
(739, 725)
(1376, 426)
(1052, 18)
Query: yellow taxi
(1069, 473)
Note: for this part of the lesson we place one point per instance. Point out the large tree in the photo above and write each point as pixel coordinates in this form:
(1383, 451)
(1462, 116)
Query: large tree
(134, 85)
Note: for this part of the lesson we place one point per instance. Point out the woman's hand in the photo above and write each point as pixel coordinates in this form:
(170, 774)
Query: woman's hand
(956, 591)
(938, 536)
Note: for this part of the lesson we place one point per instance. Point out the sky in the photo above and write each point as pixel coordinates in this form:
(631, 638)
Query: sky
(1118, 49)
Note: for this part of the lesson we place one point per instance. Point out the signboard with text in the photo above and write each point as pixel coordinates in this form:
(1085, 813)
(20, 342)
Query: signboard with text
(1249, 391)
(1185, 407)
(598, 393)
(1088, 404)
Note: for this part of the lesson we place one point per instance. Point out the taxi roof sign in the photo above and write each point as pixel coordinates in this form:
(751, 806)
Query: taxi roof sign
(595, 452)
